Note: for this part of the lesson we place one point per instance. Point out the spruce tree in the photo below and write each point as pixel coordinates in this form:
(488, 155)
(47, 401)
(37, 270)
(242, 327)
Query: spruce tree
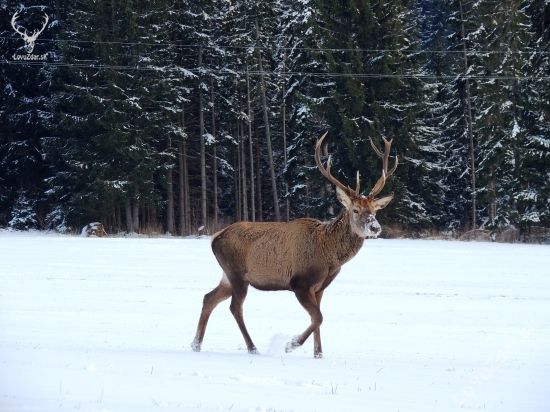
(24, 113)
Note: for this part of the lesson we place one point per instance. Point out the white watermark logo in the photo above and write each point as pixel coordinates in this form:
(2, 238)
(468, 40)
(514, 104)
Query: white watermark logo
(29, 39)
(494, 363)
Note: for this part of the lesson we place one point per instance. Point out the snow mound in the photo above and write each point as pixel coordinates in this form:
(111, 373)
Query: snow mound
(91, 367)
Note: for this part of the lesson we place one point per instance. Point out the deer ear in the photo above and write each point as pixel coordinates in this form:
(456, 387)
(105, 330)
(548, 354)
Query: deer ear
(383, 202)
(343, 197)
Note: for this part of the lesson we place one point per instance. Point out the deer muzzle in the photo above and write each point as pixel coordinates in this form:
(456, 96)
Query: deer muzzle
(372, 227)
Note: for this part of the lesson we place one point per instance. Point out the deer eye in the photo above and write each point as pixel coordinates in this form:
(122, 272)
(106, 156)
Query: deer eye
(355, 211)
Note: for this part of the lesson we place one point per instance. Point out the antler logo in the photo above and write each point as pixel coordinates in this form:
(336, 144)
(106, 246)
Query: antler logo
(29, 40)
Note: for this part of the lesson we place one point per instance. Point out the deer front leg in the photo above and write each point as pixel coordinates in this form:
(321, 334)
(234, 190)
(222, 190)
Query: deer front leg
(317, 349)
(306, 297)
(210, 301)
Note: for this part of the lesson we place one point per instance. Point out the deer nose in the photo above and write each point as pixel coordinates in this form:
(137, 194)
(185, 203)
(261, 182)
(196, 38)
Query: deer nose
(374, 225)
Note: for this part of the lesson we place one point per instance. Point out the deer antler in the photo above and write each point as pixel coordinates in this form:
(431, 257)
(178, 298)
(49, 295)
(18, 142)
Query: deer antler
(385, 174)
(16, 28)
(326, 172)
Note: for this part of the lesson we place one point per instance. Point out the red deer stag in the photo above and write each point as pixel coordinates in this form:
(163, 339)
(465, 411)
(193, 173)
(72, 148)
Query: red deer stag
(303, 256)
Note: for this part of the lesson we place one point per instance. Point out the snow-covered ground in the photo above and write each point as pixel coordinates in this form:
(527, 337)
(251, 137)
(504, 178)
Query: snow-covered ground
(104, 324)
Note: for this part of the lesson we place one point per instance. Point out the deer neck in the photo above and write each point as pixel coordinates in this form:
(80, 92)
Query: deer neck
(345, 241)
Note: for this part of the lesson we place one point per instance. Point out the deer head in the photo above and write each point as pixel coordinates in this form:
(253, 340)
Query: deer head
(362, 210)
(29, 40)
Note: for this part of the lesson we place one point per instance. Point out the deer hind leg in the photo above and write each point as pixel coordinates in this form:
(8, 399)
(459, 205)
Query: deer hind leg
(210, 301)
(306, 297)
(240, 288)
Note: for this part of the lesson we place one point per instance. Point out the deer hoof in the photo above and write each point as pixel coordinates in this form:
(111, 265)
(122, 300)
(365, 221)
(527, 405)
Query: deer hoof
(293, 344)
(253, 351)
(196, 346)
(318, 355)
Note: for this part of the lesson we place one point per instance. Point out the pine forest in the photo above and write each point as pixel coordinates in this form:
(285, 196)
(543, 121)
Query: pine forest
(184, 116)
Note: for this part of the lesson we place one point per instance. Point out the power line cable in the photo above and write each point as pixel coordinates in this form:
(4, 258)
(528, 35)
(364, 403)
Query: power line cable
(288, 74)
(252, 46)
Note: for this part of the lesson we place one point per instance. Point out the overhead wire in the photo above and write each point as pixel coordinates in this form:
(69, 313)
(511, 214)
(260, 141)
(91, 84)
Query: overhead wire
(100, 67)
(253, 46)
(299, 73)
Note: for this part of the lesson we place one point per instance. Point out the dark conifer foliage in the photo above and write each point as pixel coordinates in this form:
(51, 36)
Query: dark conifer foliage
(24, 112)
(185, 116)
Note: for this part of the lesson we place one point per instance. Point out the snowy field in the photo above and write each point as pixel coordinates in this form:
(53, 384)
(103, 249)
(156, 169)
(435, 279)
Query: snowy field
(105, 325)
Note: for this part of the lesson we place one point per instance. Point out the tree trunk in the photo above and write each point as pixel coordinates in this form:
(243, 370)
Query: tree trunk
(250, 152)
(267, 133)
(181, 197)
(147, 214)
(113, 19)
(214, 155)
(237, 185)
(135, 214)
(243, 167)
(239, 176)
(151, 206)
(181, 175)
(283, 114)
(186, 189)
(118, 219)
(258, 172)
(202, 154)
(112, 220)
(184, 186)
(170, 227)
(493, 203)
(469, 119)
(57, 10)
(129, 221)
(243, 175)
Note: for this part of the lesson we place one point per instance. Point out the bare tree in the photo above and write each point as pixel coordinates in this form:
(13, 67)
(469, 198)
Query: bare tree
(129, 221)
(186, 186)
(135, 213)
(243, 162)
(237, 180)
(283, 114)
(214, 154)
(203, 149)
(267, 133)
(181, 197)
(243, 167)
(250, 154)
(258, 171)
(170, 227)
(181, 192)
